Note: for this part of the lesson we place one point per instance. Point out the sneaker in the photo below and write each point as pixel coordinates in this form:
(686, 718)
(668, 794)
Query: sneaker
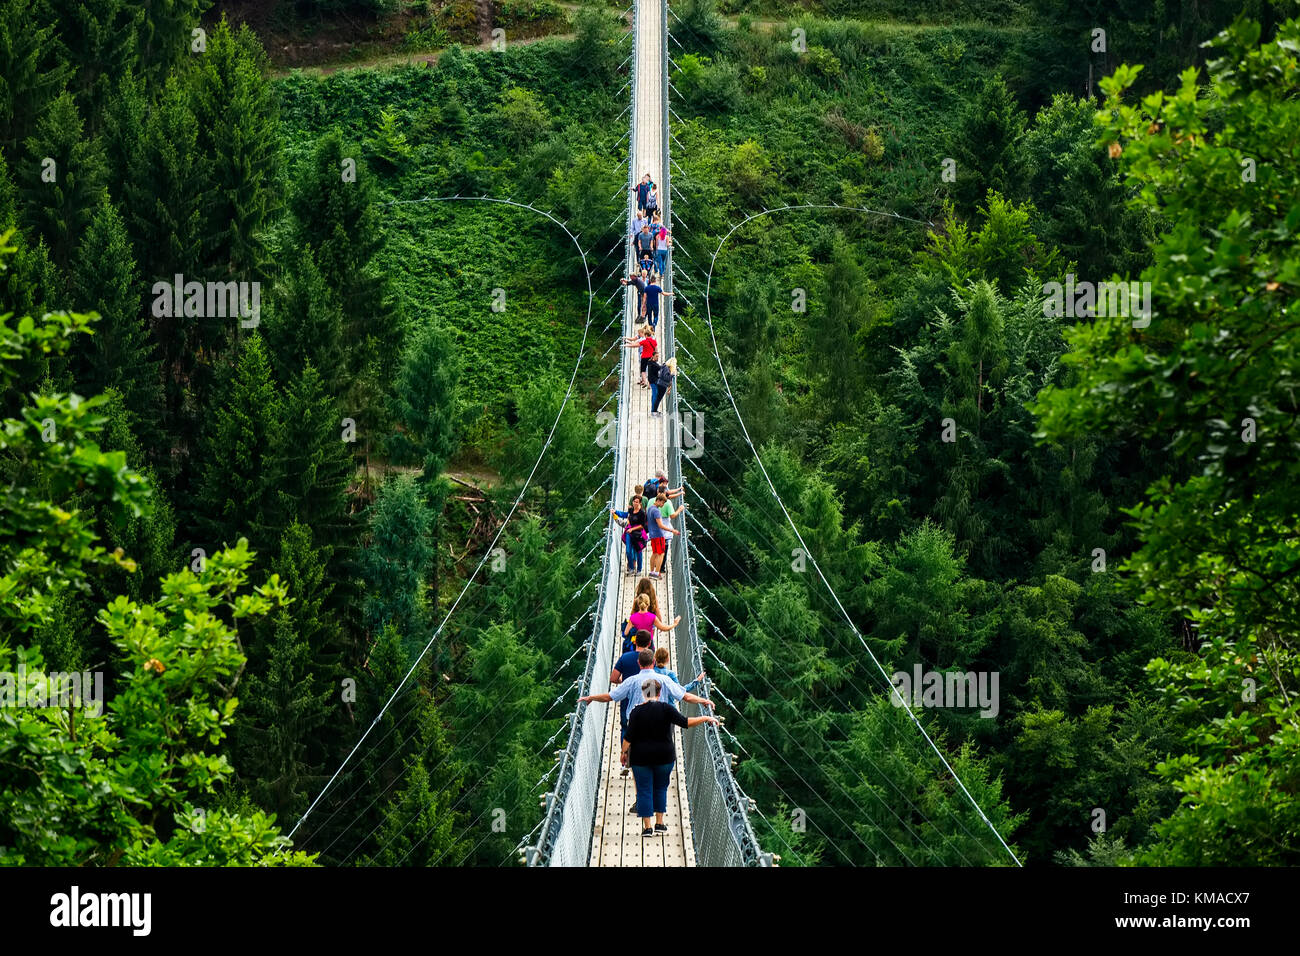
(660, 828)
(647, 832)
(632, 809)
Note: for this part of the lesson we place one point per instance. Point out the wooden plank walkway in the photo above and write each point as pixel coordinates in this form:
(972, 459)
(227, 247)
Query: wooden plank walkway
(617, 839)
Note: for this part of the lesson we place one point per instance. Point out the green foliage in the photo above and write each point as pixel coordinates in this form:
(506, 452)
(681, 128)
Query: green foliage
(986, 144)
(30, 81)
(387, 148)
(571, 432)
(135, 785)
(96, 38)
(50, 452)
(336, 215)
(1203, 382)
(523, 116)
(119, 354)
(750, 172)
(234, 473)
(707, 87)
(595, 51)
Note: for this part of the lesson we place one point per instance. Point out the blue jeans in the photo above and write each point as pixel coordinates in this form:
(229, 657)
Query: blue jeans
(654, 394)
(657, 396)
(633, 555)
(652, 789)
(661, 260)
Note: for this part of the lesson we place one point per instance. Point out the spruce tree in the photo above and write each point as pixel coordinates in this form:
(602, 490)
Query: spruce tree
(335, 212)
(30, 76)
(987, 146)
(164, 34)
(61, 180)
(424, 401)
(309, 463)
(120, 353)
(833, 350)
(396, 563)
(97, 37)
(304, 324)
(283, 706)
(233, 470)
(238, 128)
(168, 190)
(421, 822)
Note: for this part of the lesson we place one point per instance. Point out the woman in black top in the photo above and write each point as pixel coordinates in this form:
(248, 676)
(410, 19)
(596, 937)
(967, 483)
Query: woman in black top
(649, 740)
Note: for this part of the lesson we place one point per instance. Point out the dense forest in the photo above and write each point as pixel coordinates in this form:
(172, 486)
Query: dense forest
(296, 447)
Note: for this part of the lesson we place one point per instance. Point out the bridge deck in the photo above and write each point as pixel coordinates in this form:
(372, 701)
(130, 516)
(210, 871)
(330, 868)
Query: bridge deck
(617, 839)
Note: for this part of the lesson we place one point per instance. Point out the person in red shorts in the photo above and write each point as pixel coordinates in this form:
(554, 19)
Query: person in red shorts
(659, 531)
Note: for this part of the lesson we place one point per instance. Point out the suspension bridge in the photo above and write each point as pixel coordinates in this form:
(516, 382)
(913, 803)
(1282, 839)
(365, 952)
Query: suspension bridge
(586, 819)
(587, 822)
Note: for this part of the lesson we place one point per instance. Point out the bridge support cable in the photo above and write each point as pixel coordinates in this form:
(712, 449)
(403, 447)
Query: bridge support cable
(717, 354)
(586, 330)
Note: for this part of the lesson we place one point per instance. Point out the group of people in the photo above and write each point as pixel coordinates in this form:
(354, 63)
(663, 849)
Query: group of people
(646, 690)
(648, 694)
(649, 523)
(651, 241)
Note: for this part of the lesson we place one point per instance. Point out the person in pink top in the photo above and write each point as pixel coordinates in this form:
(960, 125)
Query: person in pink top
(644, 619)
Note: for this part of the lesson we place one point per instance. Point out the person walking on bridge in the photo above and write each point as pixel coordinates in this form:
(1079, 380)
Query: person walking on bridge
(642, 190)
(659, 533)
(646, 342)
(630, 688)
(653, 291)
(645, 619)
(650, 752)
(639, 283)
(661, 667)
(628, 665)
(667, 372)
(636, 532)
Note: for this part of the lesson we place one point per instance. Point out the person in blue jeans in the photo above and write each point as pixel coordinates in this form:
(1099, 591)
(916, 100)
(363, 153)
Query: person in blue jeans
(636, 532)
(662, 242)
(628, 665)
(648, 744)
(652, 293)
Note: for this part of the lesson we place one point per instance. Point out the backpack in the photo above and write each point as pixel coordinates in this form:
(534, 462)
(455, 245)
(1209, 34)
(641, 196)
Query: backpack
(651, 487)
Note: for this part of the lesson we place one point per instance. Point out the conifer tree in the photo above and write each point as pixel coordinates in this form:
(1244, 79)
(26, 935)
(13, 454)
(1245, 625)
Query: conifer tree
(238, 128)
(833, 349)
(164, 36)
(283, 706)
(30, 76)
(97, 38)
(396, 561)
(62, 180)
(167, 192)
(304, 324)
(335, 212)
(987, 146)
(309, 463)
(236, 450)
(120, 353)
(424, 400)
(421, 824)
